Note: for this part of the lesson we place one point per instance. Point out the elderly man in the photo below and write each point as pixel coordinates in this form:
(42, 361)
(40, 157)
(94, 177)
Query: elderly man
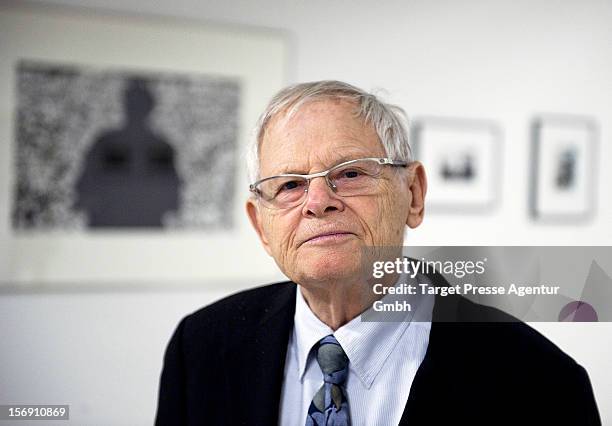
(332, 176)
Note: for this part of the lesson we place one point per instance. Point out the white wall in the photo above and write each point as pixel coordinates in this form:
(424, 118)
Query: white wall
(500, 60)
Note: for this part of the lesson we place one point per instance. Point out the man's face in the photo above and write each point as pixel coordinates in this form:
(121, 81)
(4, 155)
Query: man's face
(322, 238)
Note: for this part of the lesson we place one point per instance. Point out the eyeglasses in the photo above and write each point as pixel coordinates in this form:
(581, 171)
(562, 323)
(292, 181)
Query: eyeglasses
(354, 177)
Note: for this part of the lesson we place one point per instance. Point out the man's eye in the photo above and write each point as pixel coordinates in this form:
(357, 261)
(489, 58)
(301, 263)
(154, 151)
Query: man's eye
(351, 174)
(288, 186)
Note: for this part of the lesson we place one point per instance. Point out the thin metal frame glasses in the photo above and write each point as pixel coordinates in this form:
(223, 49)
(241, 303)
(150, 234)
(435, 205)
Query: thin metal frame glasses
(350, 178)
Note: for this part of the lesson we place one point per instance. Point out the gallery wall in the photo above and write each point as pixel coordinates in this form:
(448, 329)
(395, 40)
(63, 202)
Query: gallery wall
(503, 62)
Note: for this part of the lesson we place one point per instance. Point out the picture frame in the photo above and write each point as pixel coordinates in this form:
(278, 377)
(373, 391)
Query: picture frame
(563, 168)
(462, 158)
(256, 58)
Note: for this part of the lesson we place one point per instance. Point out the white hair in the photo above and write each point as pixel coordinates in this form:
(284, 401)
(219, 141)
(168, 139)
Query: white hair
(389, 121)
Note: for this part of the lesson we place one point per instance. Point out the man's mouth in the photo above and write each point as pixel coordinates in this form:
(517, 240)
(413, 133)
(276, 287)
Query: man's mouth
(328, 238)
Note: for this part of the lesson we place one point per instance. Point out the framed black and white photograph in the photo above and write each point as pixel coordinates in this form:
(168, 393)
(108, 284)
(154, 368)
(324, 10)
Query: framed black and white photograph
(122, 147)
(462, 161)
(564, 168)
(118, 149)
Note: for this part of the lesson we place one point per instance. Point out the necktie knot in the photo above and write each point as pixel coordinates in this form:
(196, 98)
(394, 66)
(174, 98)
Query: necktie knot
(332, 360)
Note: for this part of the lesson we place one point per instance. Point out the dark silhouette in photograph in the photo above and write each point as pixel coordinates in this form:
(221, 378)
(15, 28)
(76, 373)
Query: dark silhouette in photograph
(129, 177)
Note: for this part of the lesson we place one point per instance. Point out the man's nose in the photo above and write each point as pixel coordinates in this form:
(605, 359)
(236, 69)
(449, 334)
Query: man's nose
(321, 199)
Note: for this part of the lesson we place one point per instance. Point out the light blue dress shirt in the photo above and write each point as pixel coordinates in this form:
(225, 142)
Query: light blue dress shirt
(383, 360)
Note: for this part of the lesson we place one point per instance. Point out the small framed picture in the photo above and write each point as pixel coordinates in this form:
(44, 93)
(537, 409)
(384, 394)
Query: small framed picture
(563, 168)
(462, 162)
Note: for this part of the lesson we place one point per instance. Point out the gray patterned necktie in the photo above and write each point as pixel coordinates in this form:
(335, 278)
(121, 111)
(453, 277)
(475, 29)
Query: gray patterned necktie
(329, 406)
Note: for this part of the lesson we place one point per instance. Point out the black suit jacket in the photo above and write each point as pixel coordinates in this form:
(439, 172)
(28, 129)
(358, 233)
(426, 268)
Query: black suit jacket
(224, 366)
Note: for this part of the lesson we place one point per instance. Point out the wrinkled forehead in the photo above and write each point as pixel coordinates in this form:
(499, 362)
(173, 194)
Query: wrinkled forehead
(318, 134)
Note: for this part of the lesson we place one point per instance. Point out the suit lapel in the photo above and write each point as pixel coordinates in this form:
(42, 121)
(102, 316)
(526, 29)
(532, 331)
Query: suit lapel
(432, 384)
(260, 363)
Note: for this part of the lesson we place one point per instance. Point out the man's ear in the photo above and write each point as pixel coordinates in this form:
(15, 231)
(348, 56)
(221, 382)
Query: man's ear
(255, 217)
(417, 185)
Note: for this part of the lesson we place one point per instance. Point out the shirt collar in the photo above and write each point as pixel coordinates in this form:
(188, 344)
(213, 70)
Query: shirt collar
(308, 330)
(366, 344)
